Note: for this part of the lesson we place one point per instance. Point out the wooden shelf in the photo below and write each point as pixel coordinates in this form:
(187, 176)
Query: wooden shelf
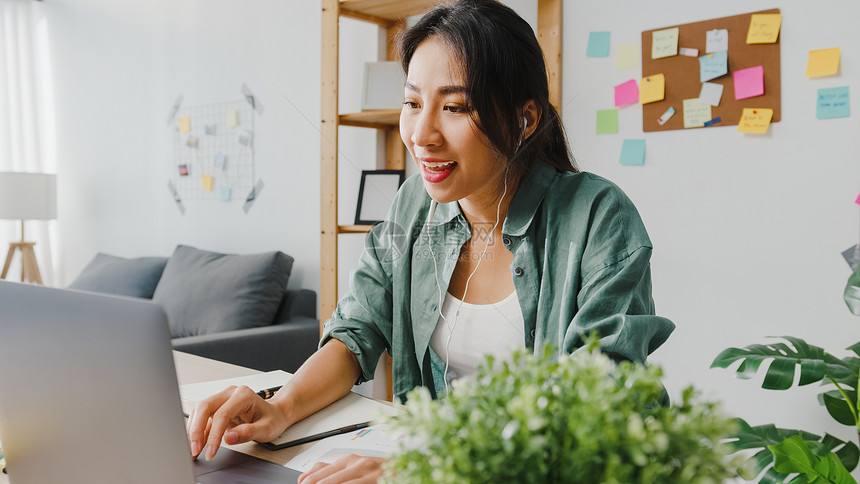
(354, 229)
(385, 13)
(378, 119)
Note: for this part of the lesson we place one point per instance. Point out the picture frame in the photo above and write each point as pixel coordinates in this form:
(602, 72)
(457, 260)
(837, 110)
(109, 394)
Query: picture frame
(375, 194)
(383, 85)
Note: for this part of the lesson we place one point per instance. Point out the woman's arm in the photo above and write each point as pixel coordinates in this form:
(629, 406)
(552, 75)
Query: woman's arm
(238, 415)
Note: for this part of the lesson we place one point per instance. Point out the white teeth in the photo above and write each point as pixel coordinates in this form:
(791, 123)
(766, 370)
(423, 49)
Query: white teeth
(438, 165)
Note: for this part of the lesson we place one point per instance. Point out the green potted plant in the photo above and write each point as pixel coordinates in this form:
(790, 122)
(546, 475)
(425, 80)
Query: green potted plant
(791, 455)
(573, 419)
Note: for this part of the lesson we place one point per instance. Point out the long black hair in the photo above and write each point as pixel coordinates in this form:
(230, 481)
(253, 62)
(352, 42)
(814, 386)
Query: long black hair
(503, 68)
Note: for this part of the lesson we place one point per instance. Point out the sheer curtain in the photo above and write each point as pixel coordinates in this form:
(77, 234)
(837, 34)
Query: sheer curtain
(26, 120)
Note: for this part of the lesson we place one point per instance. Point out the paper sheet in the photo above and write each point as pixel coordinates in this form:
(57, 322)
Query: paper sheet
(713, 65)
(652, 88)
(627, 56)
(666, 116)
(749, 82)
(755, 120)
(194, 392)
(184, 125)
(627, 93)
(633, 152)
(689, 52)
(711, 93)
(373, 441)
(207, 182)
(696, 113)
(832, 103)
(598, 44)
(664, 43)
(717, 40)
(764, 28)
(823, 62)
(232, 118)
(607, 121)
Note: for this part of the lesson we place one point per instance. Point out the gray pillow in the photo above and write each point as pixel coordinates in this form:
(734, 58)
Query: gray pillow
(206, 292)
(117, 275)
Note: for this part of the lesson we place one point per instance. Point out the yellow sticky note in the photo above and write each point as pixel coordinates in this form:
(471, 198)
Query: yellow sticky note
(627, 56)
(232, 118)
(823, 62)
(764, 28)
(184, 124)
(664, 43)
(696, 113)
(207, 182)
(755, 120)
(652, 88)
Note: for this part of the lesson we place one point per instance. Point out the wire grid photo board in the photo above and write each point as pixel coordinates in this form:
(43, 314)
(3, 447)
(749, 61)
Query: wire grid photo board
(213, 151)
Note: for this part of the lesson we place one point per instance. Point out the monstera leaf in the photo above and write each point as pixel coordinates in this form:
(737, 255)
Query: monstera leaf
(852, 292)
(784, 452)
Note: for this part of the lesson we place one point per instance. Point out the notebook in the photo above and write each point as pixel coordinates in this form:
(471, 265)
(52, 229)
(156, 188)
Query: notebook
(89, 395)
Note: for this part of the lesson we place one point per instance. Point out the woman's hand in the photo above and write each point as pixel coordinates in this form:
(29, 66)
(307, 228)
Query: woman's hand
(237, 415)
(352, 468)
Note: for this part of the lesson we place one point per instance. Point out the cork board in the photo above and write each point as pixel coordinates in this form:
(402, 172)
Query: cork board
(682, 72)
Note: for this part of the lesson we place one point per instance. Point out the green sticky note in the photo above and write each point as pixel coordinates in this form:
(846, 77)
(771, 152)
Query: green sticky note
(607, 121)
(633, 152)
(598, 44)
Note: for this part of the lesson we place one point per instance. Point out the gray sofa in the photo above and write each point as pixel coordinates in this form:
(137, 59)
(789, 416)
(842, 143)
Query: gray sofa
(232, 308)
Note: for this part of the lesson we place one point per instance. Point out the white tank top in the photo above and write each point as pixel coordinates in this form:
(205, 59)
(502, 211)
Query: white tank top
(480, 329)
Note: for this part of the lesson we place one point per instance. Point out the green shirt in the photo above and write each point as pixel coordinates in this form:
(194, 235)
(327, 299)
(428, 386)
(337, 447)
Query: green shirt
(581, 264)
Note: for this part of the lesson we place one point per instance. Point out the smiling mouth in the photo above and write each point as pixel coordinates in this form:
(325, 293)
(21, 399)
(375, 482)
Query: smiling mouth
(437, 165)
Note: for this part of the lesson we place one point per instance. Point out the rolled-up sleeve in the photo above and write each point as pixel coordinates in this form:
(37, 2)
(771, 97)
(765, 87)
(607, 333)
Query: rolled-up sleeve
(362, 318)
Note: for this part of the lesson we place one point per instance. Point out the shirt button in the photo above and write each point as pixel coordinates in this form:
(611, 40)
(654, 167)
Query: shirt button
(506, 241)
(518, 271)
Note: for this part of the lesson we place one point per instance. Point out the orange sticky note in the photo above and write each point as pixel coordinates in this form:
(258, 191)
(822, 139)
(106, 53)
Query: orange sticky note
(184, 124)
(823, 62)
(652, 88)
(764, 28)
(755, 120)
(207, 182)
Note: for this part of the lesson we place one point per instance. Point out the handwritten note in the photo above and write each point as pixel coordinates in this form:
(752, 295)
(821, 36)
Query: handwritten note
(652, 88)
(184, 125)
(232, 118)
(627, 56)
(711, 93)
(755, 120)
(823, 62)
(598, 44)
(607, 121)
(627, 93)
(664, 43)
(764, 28)
(713, 65)
(633, 152)
(206, 182)
(833, 103)
(717, 40)
(749, 82)
(696, 113)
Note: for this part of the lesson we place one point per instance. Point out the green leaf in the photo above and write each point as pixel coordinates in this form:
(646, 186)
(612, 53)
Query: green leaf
(838, 408)
(852, 292)
(855, 348)
(815, 364)
(793, 455)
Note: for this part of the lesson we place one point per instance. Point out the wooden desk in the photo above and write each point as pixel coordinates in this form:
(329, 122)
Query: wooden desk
(195, 369)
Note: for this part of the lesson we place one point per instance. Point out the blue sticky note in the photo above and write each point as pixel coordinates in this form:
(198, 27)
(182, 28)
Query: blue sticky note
(832, 103)
(633, 152)
(225, 194)
(598, 44)
(713, 65)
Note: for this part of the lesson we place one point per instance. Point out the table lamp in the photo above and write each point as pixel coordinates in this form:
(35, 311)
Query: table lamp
(26, 196)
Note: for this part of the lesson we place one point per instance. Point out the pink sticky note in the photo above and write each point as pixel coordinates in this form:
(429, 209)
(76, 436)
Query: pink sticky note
(627, 93)
(749, 82)
(858, 200)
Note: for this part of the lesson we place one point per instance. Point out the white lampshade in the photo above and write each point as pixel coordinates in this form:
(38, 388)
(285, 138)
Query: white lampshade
(28, 196)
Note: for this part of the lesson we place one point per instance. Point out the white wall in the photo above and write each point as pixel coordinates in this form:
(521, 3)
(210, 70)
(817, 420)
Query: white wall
(747, 230)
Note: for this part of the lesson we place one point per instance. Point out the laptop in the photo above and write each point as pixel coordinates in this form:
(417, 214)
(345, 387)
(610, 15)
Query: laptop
(88, 394)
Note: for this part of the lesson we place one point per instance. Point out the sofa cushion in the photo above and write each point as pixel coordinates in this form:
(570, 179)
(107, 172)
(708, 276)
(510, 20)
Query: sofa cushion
(124, 277)
(206, 292)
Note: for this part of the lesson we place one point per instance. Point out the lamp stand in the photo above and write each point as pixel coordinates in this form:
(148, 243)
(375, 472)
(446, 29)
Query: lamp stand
(29, 267)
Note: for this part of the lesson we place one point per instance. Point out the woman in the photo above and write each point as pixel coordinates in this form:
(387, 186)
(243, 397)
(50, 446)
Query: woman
(499, 243)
